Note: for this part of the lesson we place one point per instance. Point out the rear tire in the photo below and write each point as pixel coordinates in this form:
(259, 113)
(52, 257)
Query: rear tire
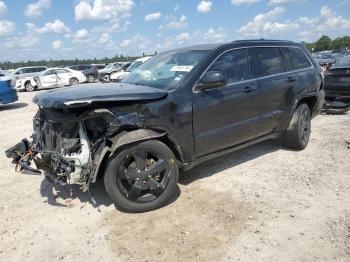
(298, 132)
(73, 82)
(142, 177)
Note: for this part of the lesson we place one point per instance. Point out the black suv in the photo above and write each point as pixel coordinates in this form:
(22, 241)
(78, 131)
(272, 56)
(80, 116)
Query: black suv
(90, 71)
(180, 108)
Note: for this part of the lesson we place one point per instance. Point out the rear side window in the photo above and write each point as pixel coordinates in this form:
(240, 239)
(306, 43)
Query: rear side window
(233, 64)
(294, 58)
(268, 61)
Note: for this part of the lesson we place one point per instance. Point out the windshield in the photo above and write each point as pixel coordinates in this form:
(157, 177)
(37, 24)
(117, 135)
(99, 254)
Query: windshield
(109, 66)
(166, 70)
(327, 56)
(133, 66)
(343, 61)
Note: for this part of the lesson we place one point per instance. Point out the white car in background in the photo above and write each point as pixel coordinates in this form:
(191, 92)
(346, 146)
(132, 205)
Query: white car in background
(57, 77)
(119, 76)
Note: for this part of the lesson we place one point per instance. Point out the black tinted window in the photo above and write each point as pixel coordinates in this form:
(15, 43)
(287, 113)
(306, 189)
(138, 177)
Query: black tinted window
(84, 67)
(294, 58)
(233, 64)
(268, 61)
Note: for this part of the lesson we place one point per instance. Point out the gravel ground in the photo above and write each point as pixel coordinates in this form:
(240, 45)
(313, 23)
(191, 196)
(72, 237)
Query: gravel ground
(263, 203)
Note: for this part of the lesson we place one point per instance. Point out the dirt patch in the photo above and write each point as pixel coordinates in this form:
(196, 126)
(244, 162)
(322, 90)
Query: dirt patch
(199, 225)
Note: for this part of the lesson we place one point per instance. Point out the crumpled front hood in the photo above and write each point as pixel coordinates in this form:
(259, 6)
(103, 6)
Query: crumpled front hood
(88, 94)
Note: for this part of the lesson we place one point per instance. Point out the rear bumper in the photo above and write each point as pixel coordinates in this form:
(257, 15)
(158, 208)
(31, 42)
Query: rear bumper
(337, 90)
(338, 94)
(8, 97)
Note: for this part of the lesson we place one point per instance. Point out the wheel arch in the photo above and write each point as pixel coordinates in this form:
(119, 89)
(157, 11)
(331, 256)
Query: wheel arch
(126, 138)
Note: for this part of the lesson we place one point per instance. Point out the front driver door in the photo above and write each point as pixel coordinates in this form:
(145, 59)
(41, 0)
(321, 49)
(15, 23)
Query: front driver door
(49, 79)
(226, 116)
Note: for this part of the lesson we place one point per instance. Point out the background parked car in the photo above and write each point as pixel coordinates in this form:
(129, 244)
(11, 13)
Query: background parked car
(120, 75)
(110, 68)
(107, 77)
(337, 79)
(99, 66)
(8, 93)
(326, 59)
(58, 77)
(23, 75)
(2, 73)
(90, 71)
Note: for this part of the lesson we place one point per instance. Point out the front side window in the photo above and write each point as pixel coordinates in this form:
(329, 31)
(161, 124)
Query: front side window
(133, 66)
(268, 61)
(234, 64)
(294, 58)
(166, 70)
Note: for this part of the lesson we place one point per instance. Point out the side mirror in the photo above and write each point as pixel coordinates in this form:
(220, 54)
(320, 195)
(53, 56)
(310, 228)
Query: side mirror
(212, 79)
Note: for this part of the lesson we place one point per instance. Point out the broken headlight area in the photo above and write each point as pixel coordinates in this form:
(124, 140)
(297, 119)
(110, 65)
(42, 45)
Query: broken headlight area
(66, 147)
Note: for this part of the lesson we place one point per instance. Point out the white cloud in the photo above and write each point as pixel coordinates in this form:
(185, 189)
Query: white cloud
(305, 28)
(57, 26)
(37, 8)
(105, 38)
(56, 44)
(263, 23)
(7, 27)
(3, 7)
(153, 16)
(279, 2)
(102, 9)
(137, 43)
(22, 41)
(175, 24)
(182, 37)
(204, 6)
(215, 35)
(244, 2)
(81, 34)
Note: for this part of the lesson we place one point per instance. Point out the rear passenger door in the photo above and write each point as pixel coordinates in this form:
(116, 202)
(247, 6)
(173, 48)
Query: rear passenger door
(275, 87)
(301, 71)
(63, 77)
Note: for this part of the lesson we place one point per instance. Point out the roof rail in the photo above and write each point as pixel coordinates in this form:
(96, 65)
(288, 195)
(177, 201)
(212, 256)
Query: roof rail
(261, 40)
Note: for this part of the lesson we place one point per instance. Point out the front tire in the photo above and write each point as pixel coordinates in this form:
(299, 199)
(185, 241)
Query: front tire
(29, 87)
(142, 177)
(90, 79)
(298, 132)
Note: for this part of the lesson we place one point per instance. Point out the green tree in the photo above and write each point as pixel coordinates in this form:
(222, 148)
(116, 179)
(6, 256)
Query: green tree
(324, 43)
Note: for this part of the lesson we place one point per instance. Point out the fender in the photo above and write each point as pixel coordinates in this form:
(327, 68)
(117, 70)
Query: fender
(296, 103)
(120, 140)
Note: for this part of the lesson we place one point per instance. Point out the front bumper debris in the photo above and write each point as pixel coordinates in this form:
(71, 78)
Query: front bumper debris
(22, 155)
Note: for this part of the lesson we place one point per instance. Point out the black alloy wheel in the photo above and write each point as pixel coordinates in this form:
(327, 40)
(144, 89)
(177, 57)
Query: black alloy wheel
(298, 132)
(142, 177)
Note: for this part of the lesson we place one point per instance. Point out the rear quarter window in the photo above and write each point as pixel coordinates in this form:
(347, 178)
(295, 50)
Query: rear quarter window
(294, 58)
(266, 61)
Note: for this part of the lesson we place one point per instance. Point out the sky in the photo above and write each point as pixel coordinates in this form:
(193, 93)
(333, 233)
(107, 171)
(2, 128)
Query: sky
(68, 29)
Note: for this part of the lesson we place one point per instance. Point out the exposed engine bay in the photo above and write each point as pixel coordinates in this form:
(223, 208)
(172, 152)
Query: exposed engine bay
(68, 148)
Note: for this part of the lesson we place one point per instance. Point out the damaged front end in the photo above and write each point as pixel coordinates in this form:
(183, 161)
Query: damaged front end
(66, 147)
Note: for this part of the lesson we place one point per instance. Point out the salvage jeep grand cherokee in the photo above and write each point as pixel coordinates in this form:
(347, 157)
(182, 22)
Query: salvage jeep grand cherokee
(180, 108)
